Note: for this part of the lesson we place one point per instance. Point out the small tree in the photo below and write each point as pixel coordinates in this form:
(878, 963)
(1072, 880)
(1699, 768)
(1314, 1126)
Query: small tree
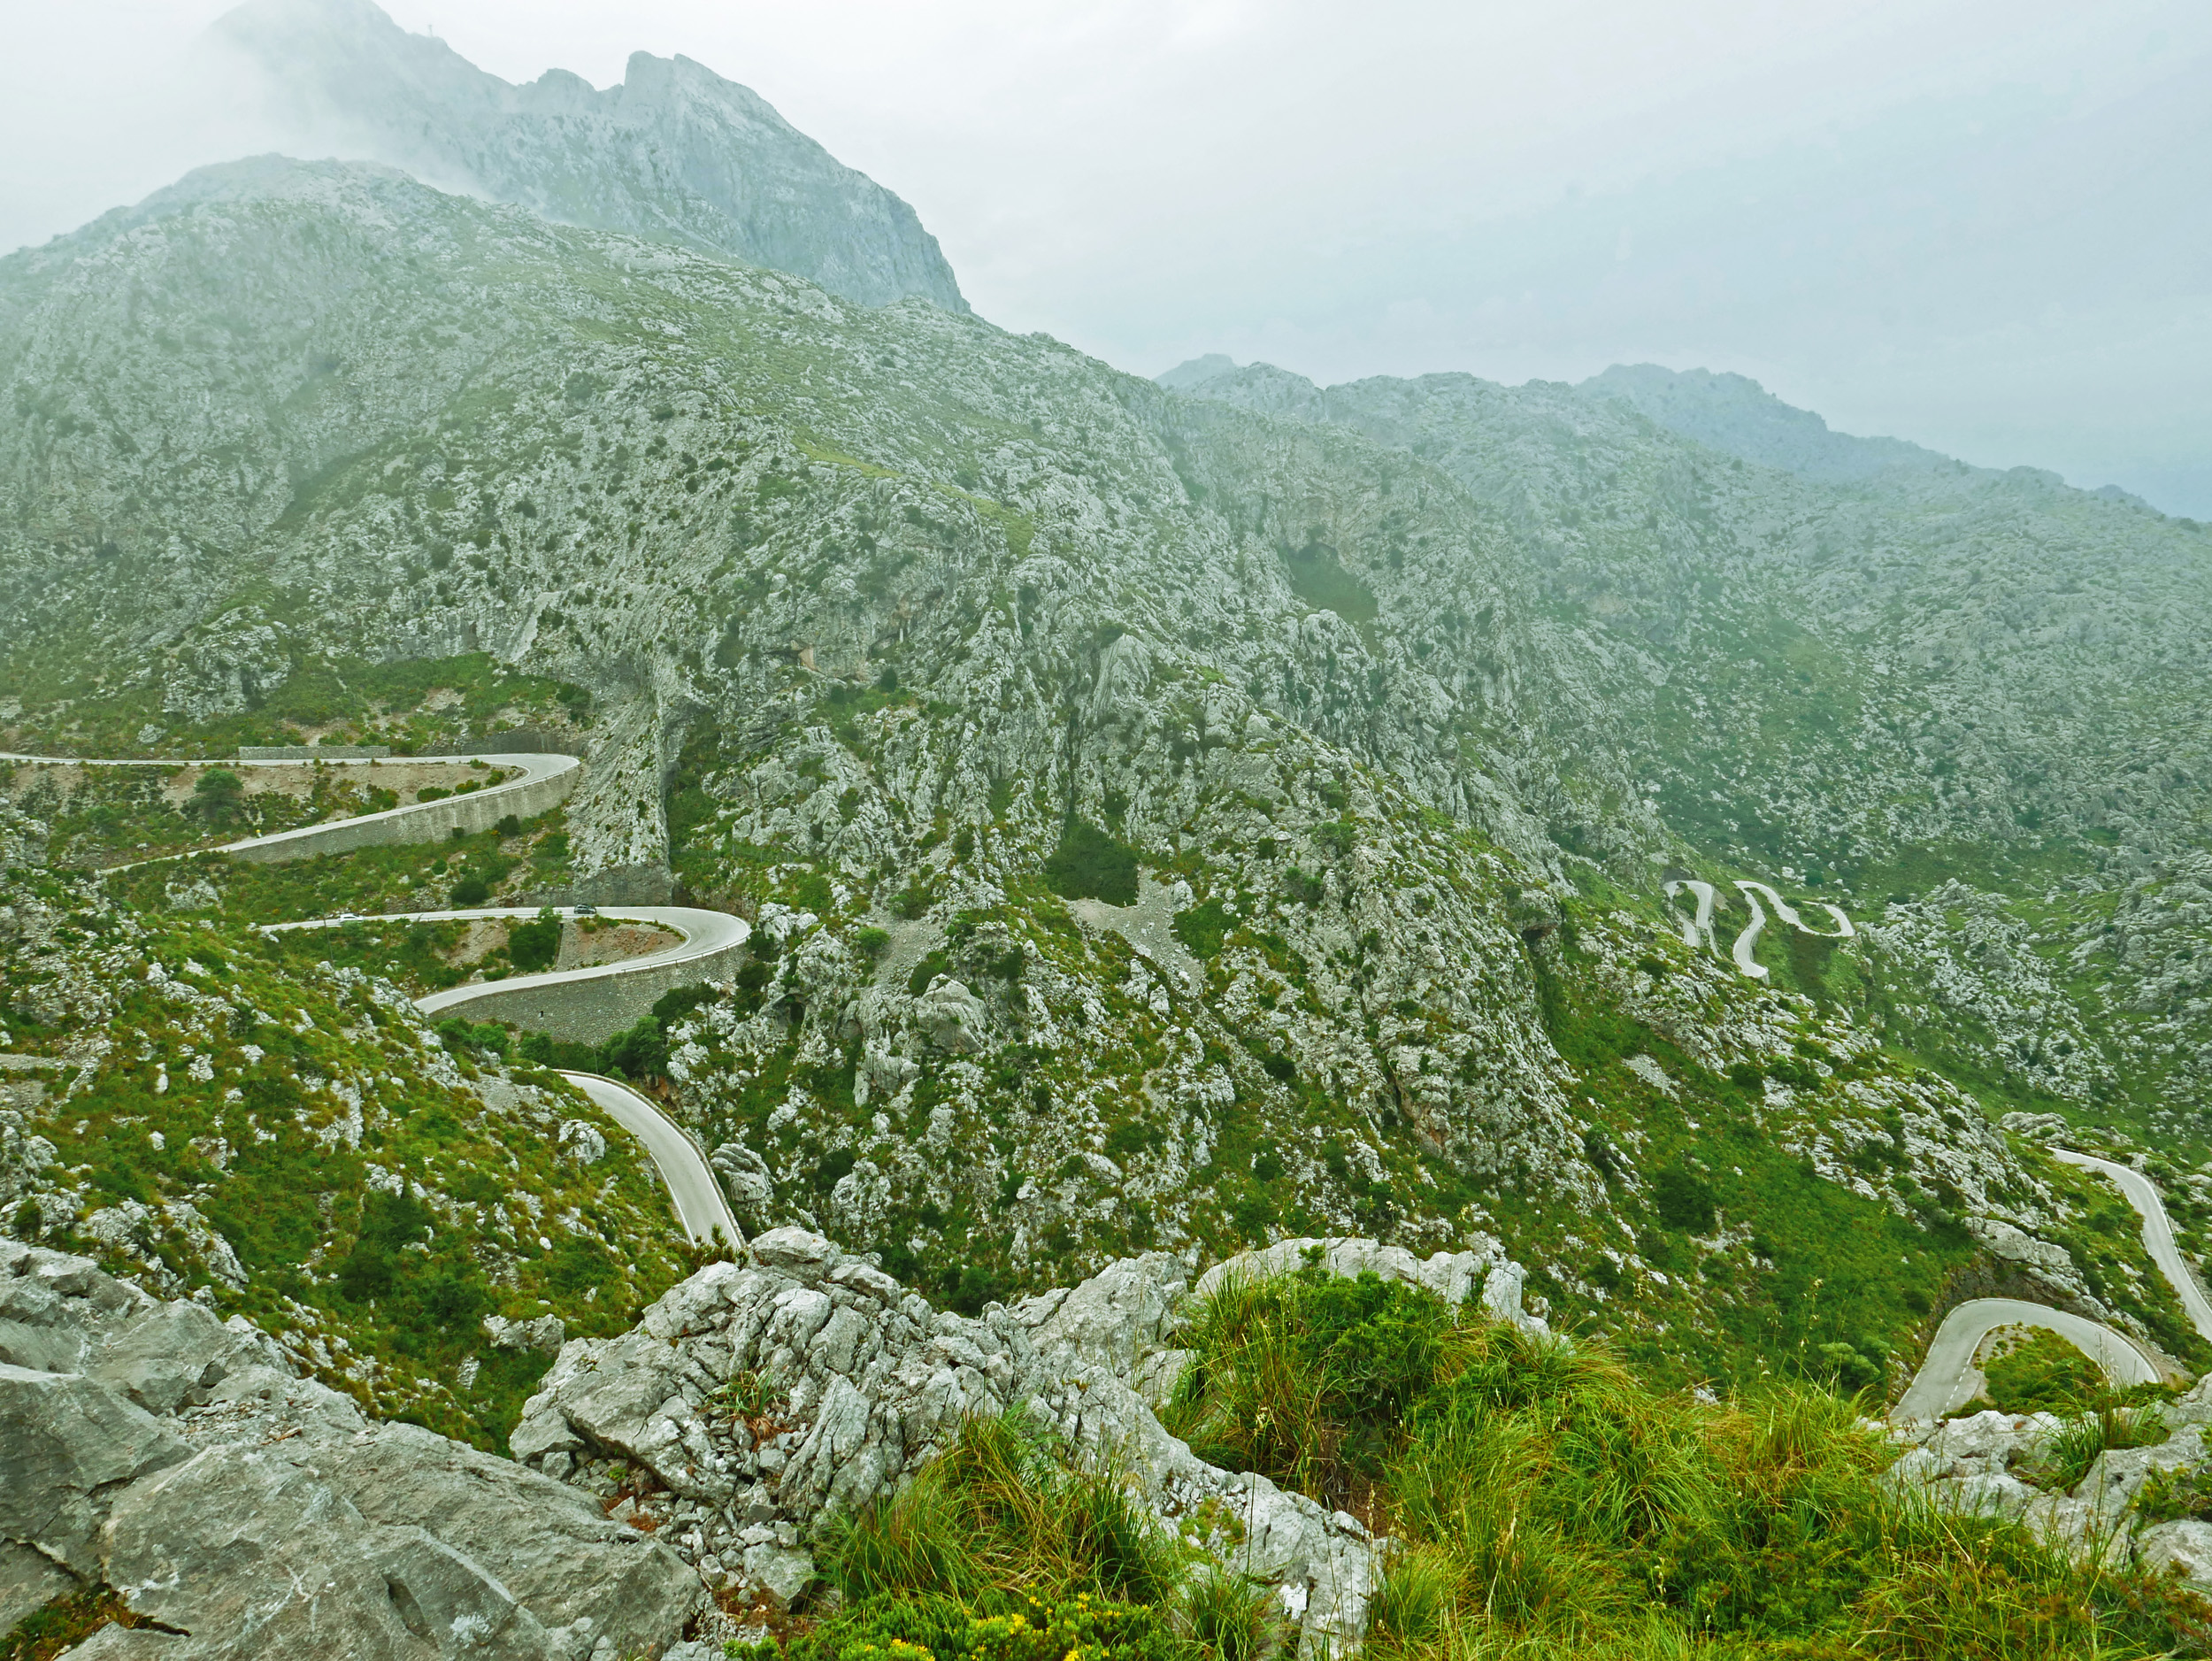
(217, 793)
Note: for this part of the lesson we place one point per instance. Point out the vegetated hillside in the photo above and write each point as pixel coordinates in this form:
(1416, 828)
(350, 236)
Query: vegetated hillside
(674, 152)
(961, 663)
(219, 1116)
(1965, 702)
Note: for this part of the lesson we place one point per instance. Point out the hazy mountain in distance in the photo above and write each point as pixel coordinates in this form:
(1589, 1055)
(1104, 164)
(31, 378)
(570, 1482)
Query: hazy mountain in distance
(675, 152)
(1737, 417)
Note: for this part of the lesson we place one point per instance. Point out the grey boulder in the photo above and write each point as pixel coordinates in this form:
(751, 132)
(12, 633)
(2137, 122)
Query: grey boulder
(66, 1445)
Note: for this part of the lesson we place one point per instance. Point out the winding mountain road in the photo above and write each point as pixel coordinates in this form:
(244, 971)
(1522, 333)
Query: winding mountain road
(705, 934)
(696, 1195)
(2158, 1233)
(1700, 933)
(1947, 1379)
(541, 781)
(692, 1188)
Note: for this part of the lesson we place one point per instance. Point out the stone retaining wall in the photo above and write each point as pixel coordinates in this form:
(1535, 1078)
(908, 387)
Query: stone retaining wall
(594, 1011)
(313, 752)
(424, 822)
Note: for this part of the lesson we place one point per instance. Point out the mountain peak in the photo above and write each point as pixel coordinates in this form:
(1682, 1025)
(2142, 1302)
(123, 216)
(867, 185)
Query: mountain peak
(1737, 416)
(676, 152)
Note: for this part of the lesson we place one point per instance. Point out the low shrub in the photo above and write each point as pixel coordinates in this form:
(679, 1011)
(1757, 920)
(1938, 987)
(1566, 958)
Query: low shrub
(534, 945)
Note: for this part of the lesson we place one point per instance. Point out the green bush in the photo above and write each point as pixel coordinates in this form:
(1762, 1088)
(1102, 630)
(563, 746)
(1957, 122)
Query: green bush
(1683, 1200)
(545, 1050)
(1203, 928)
(470, 890)
(216, 794)
(458, 1033)
(640, 1052)
(534, 945)
(1091, 864)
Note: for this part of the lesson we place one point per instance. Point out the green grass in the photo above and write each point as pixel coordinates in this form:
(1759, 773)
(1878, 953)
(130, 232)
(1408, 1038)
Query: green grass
(2043, 1374)
(394, 1225)
(1550, 1501)
(106, 816)
(66, 1622)
(1008, 1548)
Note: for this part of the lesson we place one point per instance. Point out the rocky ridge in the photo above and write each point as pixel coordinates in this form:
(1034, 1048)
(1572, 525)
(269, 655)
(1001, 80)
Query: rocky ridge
(183, 1461)
(674, 152)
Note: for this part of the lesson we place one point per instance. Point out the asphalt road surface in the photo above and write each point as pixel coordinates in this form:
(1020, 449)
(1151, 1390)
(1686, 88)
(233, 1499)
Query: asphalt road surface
(2158, 1233)
(1947, 1379)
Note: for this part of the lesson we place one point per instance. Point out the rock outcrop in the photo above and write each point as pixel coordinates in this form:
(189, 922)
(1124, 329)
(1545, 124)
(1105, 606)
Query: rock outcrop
(864, 1382)
(1982, 1466)
(248, 1511)
(243, 1509)
(675, 153)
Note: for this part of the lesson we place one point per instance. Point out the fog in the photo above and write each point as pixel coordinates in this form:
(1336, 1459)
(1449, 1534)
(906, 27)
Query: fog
(1981, 226)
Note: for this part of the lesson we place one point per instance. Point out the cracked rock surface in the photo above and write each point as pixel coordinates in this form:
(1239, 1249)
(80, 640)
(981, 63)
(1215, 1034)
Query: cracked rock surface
(866, 1382)
(252, 1512)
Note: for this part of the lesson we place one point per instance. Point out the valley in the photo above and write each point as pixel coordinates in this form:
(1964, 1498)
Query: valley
(639, 844)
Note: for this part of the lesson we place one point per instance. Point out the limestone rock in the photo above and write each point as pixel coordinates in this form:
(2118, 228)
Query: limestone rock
(259, 1512)
(544, 1335)
(1453, 1276)
(952, 1017)
(2185, 1546)
(29, 1581)
(66, 1445)
(582, 1142)
(675, 153)
(746, 1178)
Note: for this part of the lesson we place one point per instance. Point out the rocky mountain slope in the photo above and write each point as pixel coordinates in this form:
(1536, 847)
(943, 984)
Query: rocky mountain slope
(674, 153)
(1170, 824)
(1879, 675)
(287, 1141)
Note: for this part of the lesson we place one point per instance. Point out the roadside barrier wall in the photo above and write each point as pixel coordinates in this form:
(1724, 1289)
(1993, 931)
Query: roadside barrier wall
(420, 822)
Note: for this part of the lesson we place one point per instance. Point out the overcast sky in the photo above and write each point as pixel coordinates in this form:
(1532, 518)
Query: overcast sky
(1985, 227)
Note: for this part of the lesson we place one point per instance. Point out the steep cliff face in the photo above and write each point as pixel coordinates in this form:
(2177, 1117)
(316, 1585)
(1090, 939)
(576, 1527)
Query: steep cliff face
(675, 152)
